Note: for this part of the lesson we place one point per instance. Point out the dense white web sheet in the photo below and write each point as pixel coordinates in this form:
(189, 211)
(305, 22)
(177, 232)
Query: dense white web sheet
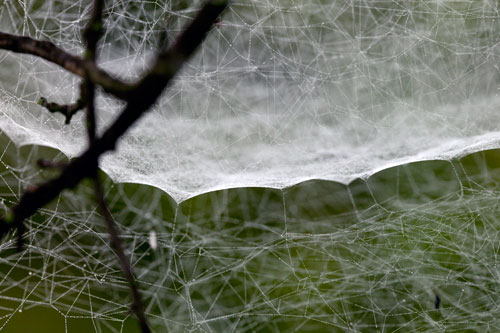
(320, 257)
(281, 92)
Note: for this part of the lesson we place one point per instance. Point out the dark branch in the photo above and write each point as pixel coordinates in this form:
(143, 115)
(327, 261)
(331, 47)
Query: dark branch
(92, 34)
(141, 98)
(94, 30)
(42, 49)
(71, 63)
(67, 110)
(166, 63)
(116, 244)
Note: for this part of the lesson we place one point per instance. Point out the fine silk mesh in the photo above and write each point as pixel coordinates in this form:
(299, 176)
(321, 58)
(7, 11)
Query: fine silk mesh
(318, 166)
(374, 256)
(280, 92)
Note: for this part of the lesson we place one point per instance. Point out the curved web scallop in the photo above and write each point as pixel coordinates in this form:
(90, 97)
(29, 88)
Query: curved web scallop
(280, 93)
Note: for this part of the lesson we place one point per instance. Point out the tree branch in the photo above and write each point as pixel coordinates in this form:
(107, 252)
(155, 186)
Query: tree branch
(74, 64)
(145, 94)
(141, 98)
(166, 64)
(92, 34)
(116, 244)
(67, 110)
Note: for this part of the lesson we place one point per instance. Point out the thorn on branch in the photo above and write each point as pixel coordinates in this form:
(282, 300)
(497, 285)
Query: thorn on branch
(68, 110)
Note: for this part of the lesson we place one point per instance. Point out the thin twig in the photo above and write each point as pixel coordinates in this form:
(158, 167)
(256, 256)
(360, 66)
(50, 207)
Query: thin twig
(145, 95)
(72, 63)
(139, 100)
(167, 63)
(116, 244)
(68, 110)
(92, 34)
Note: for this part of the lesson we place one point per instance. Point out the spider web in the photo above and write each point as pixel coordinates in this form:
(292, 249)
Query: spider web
(282, 94)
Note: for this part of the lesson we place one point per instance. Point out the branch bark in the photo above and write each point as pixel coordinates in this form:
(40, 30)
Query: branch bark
(67, 110)
(72, 63)
(144, 95)
(117, 246)
(139, 97)
(92, 34)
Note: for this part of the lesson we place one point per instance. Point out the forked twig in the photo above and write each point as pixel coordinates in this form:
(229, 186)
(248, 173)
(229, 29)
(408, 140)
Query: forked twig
(139, 97)
(146, 93)
(67, 110)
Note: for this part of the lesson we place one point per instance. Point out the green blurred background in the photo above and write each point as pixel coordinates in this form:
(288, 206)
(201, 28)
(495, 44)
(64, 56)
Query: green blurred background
(316, 257)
